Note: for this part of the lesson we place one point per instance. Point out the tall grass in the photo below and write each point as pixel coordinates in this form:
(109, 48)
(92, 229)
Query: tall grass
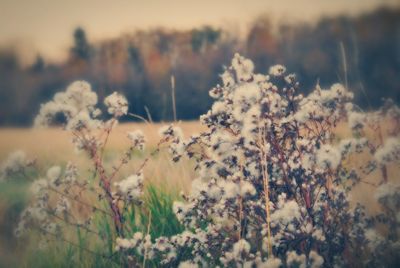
(81, 248)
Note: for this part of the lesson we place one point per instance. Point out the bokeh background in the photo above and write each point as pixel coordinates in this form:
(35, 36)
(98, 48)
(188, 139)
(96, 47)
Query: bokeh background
(134, 47)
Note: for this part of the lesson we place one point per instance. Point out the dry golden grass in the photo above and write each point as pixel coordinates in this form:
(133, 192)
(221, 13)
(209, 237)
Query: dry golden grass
(364, 191)
(53, 146)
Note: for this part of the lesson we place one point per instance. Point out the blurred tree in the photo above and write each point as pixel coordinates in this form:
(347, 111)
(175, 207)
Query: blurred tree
(140, 65)
(197, 40)
(8, 61)
(39, 64)
(203, 37)
(262, 44)
(81, 48)
(211, 35)
(164, 41)
(135, 58)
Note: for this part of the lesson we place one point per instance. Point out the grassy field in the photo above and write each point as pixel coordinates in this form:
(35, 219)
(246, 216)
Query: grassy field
(53, 147)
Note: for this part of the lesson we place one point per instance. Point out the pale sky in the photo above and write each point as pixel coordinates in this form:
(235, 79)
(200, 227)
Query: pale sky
(46, 26)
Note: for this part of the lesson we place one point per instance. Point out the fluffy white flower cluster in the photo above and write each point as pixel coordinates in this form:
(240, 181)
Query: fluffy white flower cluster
(117, 105)
(138, 242)
(240, 249)
(76, 104)
(351, 145)
(279, 70)
(268, 171)
(165, 249)
(322, 104)
(384, 245)
(356, 120)
(171, 132)
(131, 188)
(389, 195)
(272, 186)
(314, 260)
(137, 139)
(57, 178)
(47, 206)
(174, 136)
(389, 152)
(328, 157)
(244, 68)
(16, 162)
(287, 212)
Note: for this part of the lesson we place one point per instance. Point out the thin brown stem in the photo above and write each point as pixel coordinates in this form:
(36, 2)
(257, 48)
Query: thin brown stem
(58, 238)
(73, 224)
(148, 232)
(80, 201)
(139, 117)
(266, 191)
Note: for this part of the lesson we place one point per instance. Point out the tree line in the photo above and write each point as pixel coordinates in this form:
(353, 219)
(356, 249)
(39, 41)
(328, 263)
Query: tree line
(361, 52)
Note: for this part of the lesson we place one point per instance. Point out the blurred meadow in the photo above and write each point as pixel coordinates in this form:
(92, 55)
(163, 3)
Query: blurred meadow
(50, 147)
(53, 146)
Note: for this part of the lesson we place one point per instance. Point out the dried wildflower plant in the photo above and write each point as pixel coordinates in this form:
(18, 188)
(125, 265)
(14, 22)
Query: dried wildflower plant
(17, 164)
(63, 198)
(273, 187)
(273, 183)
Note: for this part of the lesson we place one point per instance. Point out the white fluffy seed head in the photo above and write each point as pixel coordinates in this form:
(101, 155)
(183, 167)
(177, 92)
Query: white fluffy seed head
(131, 188)
(117, 104)
(170, 132)
(137, 139)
